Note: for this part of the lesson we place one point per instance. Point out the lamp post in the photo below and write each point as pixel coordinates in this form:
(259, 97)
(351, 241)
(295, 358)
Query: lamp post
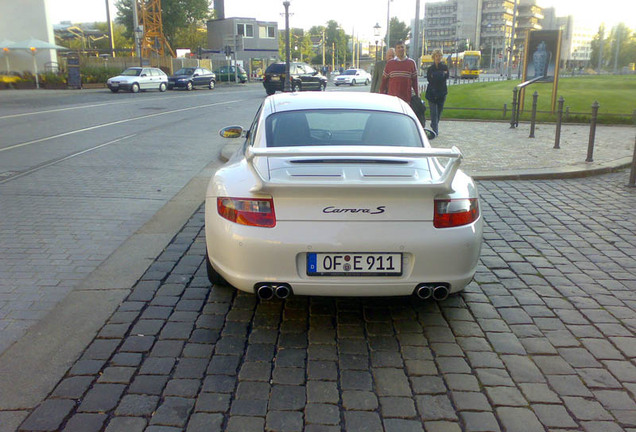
(139, 33)
(287, 83)
(376, 34)
(388, 23)
(512, 40)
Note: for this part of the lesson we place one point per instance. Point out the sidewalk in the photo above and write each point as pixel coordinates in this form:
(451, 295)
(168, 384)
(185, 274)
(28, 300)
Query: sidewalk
(492, 150)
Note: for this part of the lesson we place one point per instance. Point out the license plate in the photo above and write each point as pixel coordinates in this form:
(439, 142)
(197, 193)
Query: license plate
(275, 78)
(354, 264)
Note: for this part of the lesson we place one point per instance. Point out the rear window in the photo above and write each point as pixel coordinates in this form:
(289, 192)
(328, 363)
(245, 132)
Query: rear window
(341, 127)
(276, 68)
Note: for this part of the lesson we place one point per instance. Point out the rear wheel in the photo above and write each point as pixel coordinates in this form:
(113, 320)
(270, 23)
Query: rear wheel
(163, 87)
(213, 276)
(270, 91)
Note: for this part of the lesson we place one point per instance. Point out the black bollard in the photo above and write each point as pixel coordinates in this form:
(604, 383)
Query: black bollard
(590, 144)
(632, 174)
(557, 136)
(514, 107)
(535, 96)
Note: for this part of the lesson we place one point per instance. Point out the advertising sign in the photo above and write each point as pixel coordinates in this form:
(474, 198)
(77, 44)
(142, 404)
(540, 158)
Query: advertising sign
(542, 55)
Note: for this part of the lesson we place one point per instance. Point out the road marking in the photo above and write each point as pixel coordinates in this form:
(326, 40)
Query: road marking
(113, 124)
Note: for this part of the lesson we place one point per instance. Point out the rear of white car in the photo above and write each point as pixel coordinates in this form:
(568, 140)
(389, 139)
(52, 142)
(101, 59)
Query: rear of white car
(343, 220)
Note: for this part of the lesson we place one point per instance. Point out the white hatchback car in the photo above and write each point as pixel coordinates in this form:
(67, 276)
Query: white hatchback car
(353, 77)
(341, 194)
(135, 79)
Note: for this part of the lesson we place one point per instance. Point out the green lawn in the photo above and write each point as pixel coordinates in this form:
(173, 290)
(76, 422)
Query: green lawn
(615, 94)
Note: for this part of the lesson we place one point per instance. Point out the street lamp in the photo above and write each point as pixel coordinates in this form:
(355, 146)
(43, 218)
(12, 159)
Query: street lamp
(388, 23)
(376, 34)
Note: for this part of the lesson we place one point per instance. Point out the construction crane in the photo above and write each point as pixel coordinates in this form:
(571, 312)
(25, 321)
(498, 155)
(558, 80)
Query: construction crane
(153, 41)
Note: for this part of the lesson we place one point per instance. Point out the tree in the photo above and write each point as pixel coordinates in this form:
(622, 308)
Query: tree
(399, 31)
(616, 47)
(175, 15)
(299, 45)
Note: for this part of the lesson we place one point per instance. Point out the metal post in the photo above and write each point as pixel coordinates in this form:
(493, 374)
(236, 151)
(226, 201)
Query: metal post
(590, 145)
(287, 83)
(632, 175)
(514, 107)
(557, 136)
(535, 96)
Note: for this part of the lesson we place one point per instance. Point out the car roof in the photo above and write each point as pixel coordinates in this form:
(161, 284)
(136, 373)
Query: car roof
(333, 100)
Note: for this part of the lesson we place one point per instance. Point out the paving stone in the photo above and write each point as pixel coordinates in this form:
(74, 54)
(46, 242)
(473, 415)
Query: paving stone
(480, 421)
(595, 426)
(402, 425)
(522, 369)
(602, 349)
(359, 400)
(442, 426)
(102, 398)
(290, 398)
(213, 402)
(506, 396)
(435, 407)
(615, 399)
(137, 405)
(245, 424)
(324, 414)
(85, 423)
(598, 378)
(49, 415)
(584, 409)
(148, 384)
(72, 387)
(157, 366)
(554, 416)
(187, 388)
(362, 421)
(284, 421)
(173, 412)
(624, 371)
(204, 422)
(428, 385)
(470, 401)
(494, 377)
(391, 382)
(321, 392)
(126, 424)
(249, 407)
(253, 390)
(326, 370)
(117, 375)
(399, 407)
(519, 419)
(506, 343)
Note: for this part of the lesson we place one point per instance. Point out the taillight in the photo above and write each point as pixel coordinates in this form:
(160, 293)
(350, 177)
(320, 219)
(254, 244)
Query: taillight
(455, 212)
(247, 211)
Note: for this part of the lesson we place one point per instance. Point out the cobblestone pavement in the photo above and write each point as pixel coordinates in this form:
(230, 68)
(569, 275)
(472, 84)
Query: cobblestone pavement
(543, 339)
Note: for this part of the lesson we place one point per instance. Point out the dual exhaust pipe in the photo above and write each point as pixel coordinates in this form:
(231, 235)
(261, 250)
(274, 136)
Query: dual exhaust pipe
(436, 291)
(267, 291)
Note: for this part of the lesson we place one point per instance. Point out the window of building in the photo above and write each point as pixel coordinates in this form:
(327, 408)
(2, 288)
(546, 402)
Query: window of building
(245, 30)
(266, 32)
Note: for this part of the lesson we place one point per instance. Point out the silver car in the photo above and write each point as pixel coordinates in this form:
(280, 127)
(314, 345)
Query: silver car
(135, 79)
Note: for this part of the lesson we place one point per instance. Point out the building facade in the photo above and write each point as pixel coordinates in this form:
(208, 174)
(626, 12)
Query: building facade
(254, 44)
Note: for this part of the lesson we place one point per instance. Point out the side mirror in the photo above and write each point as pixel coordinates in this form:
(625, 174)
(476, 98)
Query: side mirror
(143, 75)
(430, 134)
(195, 75)
(231, 132)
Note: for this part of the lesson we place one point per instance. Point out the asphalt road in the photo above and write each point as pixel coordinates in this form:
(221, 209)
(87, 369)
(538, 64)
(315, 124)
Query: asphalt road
(80, 171)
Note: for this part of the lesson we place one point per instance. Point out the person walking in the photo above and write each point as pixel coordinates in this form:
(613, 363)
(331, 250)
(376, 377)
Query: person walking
(436, 90)
(378, 70)
(400, 75)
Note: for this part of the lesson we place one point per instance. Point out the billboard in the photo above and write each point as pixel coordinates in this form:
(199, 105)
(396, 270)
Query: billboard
(542, 55)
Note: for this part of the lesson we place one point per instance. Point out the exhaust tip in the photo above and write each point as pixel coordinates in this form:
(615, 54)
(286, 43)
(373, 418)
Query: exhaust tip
(424, 291)
(440, 292)
(265, 292)
(282, 291)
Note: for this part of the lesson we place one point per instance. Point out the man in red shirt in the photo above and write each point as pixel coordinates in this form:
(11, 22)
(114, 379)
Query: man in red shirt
(400, 75)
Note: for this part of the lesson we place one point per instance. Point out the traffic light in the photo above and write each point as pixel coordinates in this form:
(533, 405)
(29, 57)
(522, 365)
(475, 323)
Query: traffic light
(228, 50)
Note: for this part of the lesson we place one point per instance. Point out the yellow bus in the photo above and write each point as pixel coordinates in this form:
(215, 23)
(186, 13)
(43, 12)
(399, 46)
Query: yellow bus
(427, 60)
(467, 62)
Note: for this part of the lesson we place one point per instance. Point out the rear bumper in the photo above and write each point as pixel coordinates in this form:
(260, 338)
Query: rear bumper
(246, 256)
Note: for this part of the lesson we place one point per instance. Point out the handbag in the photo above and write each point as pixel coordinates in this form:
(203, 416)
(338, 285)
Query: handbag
(418, 107)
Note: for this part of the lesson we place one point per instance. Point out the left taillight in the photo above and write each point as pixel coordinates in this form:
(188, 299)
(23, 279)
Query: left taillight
(257, 212)
(455, 212)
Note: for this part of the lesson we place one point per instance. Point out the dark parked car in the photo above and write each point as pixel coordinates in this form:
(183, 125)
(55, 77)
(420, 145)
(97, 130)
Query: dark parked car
(303, 77)
(191, 77)
(227, 73)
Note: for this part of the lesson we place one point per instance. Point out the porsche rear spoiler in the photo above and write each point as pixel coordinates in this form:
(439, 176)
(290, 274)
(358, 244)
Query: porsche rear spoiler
(443, 182)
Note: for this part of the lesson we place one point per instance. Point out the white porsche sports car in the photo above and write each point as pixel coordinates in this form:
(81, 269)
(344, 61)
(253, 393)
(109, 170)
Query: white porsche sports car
(341, 194)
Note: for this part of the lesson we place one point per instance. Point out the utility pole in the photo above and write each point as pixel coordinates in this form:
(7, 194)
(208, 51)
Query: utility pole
(600, 51)
(512, 40)
(388, 24)
(110, 29)
(416, 39)
(618, 46)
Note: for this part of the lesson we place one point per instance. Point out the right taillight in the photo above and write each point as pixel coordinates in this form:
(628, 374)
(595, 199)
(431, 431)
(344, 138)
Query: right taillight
(455, 212)
(247, 211)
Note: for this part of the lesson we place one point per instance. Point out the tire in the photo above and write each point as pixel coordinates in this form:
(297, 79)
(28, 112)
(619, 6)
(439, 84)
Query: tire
(189, 86)
(323, 87)
(270, 91)
(337, 85)
(134, 88)
(353, 82)
(114, 90)
(212, 84)
(163, 87)
(213, 276)
(366, 82)
(297, 87)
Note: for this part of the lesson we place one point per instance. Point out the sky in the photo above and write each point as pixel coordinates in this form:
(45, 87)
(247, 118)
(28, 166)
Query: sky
(355, 16)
